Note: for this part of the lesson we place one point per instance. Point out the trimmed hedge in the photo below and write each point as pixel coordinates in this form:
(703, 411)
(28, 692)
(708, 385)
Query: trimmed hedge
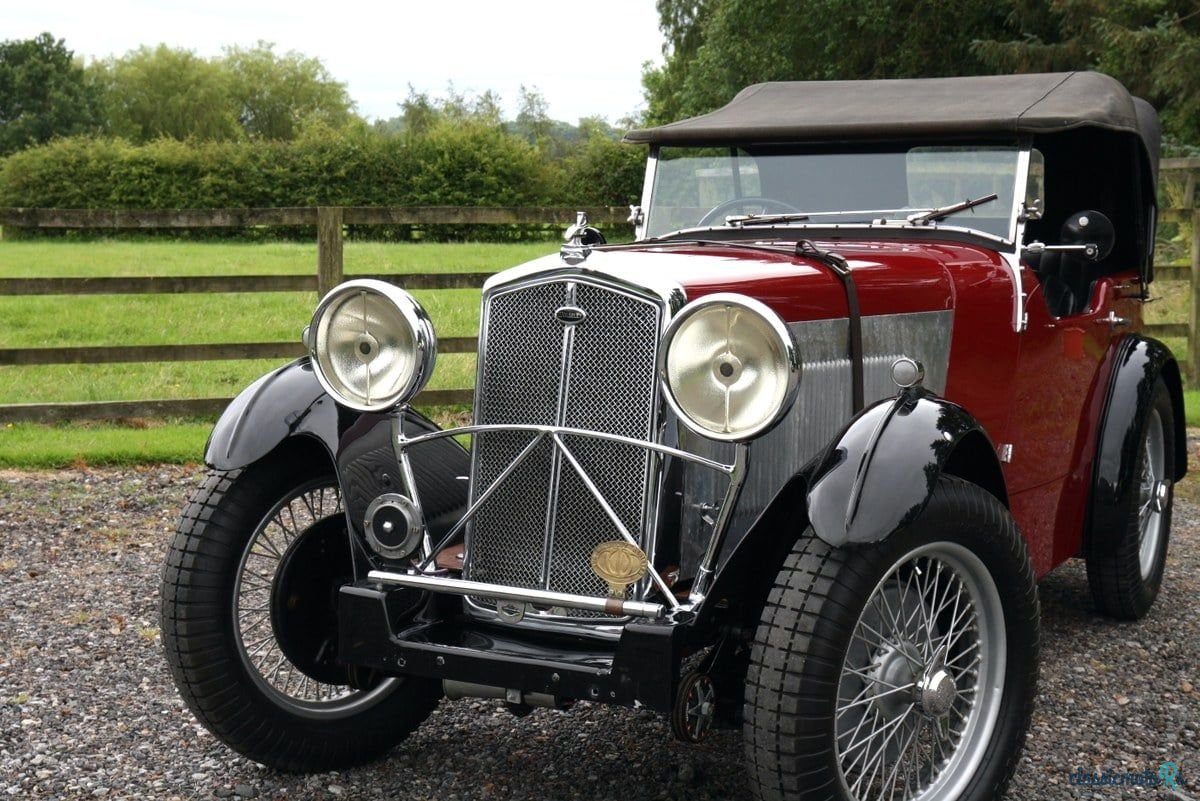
(456, 163)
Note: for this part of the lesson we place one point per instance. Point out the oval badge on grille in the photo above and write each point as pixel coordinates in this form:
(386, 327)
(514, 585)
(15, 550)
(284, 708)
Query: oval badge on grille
(569, 315)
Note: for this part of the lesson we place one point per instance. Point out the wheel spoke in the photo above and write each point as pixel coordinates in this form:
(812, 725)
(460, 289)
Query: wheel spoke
(884, 694)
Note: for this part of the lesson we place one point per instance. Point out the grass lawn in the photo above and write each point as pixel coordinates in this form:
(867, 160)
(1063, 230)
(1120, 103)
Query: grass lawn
(48, 321)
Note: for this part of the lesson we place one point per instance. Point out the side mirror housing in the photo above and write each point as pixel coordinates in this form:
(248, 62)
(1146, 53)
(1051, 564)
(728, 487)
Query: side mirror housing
(1092, 229)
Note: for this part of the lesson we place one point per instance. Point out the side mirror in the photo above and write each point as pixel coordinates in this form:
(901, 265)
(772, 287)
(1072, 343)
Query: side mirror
(1092, 229)
(1089, 234)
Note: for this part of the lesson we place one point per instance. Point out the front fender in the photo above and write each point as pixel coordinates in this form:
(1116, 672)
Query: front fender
(283, 403)
(878, 475)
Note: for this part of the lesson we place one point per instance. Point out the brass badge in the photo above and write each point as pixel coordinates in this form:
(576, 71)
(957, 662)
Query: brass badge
(619, 564)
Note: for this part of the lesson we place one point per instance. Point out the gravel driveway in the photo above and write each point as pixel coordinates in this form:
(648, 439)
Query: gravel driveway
(87, 708)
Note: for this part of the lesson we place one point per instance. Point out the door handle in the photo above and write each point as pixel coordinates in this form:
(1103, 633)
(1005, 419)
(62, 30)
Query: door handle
(1113, 321)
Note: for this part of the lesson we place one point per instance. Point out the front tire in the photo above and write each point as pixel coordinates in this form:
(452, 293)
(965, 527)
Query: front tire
(905, 669)
(230, 647)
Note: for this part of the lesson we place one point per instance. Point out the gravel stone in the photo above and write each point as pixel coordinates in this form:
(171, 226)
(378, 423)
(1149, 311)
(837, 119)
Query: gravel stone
(88, 710)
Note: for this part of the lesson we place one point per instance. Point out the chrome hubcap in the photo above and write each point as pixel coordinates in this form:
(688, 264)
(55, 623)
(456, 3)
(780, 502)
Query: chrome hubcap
(922, 679)
(936, 693)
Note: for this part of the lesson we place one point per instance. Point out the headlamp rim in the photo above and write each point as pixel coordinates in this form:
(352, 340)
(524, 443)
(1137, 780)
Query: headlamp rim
(777, 326)
(415, 316)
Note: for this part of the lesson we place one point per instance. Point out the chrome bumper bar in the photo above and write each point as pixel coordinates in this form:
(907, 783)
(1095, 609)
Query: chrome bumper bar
(611, 606)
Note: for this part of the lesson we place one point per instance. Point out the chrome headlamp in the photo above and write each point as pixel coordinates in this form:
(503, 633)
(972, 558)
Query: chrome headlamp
(372, 345)
(730, 367)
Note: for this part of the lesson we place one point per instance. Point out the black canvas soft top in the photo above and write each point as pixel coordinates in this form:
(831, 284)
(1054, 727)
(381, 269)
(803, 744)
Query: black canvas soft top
(986, 105)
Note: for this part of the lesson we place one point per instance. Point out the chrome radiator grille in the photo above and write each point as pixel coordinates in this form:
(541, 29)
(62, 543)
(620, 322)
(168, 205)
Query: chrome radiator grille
(540, 527)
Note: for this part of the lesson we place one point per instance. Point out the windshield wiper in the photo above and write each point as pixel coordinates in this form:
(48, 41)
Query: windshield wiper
(742, 220)
(933, 215)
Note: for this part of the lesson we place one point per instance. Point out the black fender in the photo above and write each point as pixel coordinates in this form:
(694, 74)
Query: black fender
(286, 402)
(877, 476)
(290, 403)
(872, 479)
(1139, 363)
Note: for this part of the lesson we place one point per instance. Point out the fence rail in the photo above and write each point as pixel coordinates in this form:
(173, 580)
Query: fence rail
(329, 222)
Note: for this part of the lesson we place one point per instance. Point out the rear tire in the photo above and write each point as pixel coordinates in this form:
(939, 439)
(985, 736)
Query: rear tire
(907, 667)
(221, 626)
(1126, 575)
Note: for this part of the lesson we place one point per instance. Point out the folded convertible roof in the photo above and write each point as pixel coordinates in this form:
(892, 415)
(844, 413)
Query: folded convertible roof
(986, 105)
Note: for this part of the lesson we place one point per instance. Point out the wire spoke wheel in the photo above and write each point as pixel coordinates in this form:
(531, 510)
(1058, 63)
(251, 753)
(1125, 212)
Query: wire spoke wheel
(897, 670)
(912, 706)
(257, 634)
(250, 623)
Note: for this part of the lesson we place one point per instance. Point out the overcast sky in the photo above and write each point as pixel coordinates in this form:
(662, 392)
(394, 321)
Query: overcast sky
(586, 59)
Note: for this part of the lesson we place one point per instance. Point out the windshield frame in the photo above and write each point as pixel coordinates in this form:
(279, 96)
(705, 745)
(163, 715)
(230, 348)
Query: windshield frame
(886, 227)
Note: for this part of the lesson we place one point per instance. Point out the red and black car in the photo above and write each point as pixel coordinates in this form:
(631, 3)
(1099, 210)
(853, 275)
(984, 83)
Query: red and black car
(793, 460)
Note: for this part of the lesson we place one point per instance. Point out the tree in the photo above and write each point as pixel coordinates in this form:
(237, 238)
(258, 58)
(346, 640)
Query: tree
(275, 96)
(248, 92)
(716, 47)
(163, 92)
(533, 119)
(43, 93)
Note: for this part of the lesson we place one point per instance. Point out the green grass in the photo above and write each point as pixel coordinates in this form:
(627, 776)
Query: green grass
(172, 441)
(60, 259)
(1191, 407)
(49, 321)
(27, 445)
(91, 320)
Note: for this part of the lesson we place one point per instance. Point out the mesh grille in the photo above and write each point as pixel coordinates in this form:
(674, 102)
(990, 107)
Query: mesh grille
(610, 388)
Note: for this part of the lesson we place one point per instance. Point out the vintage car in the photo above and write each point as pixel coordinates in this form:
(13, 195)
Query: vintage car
(793, 460)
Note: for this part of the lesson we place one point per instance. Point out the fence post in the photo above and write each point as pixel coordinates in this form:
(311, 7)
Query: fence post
(329, 248)
(1193, 352)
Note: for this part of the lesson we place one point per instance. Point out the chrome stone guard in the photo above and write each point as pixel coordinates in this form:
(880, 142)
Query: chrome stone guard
(423, 578)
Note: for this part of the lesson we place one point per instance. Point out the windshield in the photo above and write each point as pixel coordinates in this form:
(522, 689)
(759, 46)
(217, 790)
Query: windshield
(703, 187)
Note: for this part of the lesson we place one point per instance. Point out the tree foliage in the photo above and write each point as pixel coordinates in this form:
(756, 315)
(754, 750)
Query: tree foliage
(252, 92)
(716, 47)
(277, 95)
(454, 151)
(166, 92)
(43, 93)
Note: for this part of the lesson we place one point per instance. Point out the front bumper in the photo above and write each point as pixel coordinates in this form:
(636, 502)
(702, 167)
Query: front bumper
(639, 669)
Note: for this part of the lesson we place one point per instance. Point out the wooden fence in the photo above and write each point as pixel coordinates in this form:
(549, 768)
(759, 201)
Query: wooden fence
(329, 222)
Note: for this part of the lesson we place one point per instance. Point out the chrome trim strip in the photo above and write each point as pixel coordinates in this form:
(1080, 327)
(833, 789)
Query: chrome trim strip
(560, 417)
(670, 293)
(544, 597)
(887, 225)
(1013, 260)
(574, 432)
(639, 232)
